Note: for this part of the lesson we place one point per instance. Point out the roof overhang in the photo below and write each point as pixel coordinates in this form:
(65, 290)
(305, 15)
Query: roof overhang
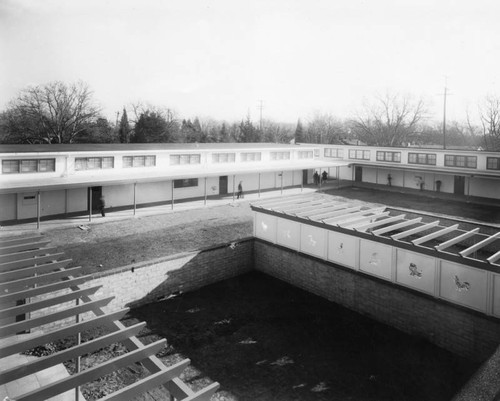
(130, 176)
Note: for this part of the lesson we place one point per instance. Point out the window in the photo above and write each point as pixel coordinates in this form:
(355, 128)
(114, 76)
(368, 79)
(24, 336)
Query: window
(280, 155)
(334, 152)
(305, 154)
(316, 152)
(493, 163)
(359, 154)
(189, 182)
(422, 158)
(460, 161)
(394, 157)
(185, 159)
(250, 157)
(93, 163)
(223, 157)
(28, 166)
(139, 161)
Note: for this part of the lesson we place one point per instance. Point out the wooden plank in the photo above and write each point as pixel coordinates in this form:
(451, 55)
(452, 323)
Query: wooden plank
(456, 240)
(415, 230)
(44, 289)
(44, 278)
(148, 383)
(22, 240)
(350, 216)
(22, 247)
(338, 212)
(315, 211)
(45, 303)
(380, 223)
(480, 245)
(27, 254)
(30, 271)
(437, 234)
(494, 258)
(23, 325)
(204, 394)
(19, 264)
(44, 338)
(45, 362)
(70, 382)
(362, 220)
(397, 226)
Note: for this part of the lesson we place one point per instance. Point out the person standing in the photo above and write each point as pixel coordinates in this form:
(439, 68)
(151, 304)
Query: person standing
(240, 190)
(102, 205)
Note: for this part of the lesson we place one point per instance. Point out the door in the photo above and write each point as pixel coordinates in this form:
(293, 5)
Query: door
(305, 174)
(459, 185)
(96, 193)
(223, 185)
(358, 173)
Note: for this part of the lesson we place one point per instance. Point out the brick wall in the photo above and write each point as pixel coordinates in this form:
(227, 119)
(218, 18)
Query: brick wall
(140, 284)
(454, 328)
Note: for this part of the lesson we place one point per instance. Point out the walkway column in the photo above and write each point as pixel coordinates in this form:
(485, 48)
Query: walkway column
(234, 182)
(338, 176)
(282, 183)
(320, 178)
(205, 203)
(38, 210)
(89, 191)
(172, 195)
(259, 185)
(135, 205)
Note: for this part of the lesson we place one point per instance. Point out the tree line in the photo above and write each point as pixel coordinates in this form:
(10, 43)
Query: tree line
(67, 113)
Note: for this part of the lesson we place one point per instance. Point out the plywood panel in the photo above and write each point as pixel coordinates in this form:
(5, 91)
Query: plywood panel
(265, 227)
(416, 271)
(496, 295)
(288, 234)
(463, 285)
(313, 241)
(342, 249)
(376, 259)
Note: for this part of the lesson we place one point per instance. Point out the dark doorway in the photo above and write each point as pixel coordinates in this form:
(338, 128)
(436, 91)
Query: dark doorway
(358, 174)
(95, 193)
(459, 186)
(223, 185)
(305, 174)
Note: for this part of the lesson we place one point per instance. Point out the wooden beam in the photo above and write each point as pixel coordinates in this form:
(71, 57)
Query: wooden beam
(456, 240)
(148, 383)
(204, 394)
(22, 247)
(362, 220)
(18, 264)
(415, 230)
(350, 216)
(70, 382)
(42, 363)
(22, 240)
(325, 216)
(377, 223)
(437, 234)
(397, 226)
(30, 271)
(45, 303)
(23, 325)
(105, 319)
(494, 258)
(44, 289)
(480, 245)
(26, 282)
(27, 254)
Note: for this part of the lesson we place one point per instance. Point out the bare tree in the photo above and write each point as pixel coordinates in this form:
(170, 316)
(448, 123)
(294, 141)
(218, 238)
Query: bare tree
(52, 113)
(391, 120)
(325, 128)
(489, 115)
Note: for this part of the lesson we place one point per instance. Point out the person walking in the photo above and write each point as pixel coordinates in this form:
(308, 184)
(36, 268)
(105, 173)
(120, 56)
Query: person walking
(240, 190)
(102, 205)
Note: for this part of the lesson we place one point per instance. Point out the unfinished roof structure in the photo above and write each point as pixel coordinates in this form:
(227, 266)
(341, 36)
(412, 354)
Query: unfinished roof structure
(41, 300)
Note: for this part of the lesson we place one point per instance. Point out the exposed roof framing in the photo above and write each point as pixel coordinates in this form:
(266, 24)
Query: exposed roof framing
(376, 220)
(28, 268)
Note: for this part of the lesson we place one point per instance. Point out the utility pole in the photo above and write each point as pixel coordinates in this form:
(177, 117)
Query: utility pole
(444, 113)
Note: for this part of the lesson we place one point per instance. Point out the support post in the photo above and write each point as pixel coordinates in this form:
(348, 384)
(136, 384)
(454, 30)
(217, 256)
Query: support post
(259, 186)
(172, 207)
(205, 203)
(282, 182)
(338, 176)
(77, 362)
(90, 203)
(135, 204)
(38, 210)
(234, 183)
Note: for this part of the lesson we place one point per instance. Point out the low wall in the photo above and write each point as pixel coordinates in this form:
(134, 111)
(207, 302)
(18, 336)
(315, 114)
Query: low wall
(158, 279)
(452, 327)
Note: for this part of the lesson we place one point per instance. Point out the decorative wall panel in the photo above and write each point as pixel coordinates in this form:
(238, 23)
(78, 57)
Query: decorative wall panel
(416, 271)
(342, 249)
(265, 227)
(288, 234)
(313, 241)
(375, 258)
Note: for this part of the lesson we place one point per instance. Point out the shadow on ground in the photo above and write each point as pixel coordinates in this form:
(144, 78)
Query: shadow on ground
(263, 339)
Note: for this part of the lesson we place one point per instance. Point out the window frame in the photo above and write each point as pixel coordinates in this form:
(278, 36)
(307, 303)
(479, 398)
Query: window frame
(28, 166)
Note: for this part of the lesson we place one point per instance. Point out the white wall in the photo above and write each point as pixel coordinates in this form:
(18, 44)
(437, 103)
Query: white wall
(77, 200)
(52, 202)
(487, 188)
(8, 209)
(149, 192)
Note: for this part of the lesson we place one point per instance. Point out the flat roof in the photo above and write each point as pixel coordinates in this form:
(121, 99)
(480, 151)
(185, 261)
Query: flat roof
(109, 147)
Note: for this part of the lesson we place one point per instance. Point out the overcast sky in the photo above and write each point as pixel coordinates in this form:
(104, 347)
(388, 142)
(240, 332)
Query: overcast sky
(219, 58)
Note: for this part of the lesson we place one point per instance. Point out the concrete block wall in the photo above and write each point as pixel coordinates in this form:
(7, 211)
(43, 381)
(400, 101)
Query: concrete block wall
(451, 327)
